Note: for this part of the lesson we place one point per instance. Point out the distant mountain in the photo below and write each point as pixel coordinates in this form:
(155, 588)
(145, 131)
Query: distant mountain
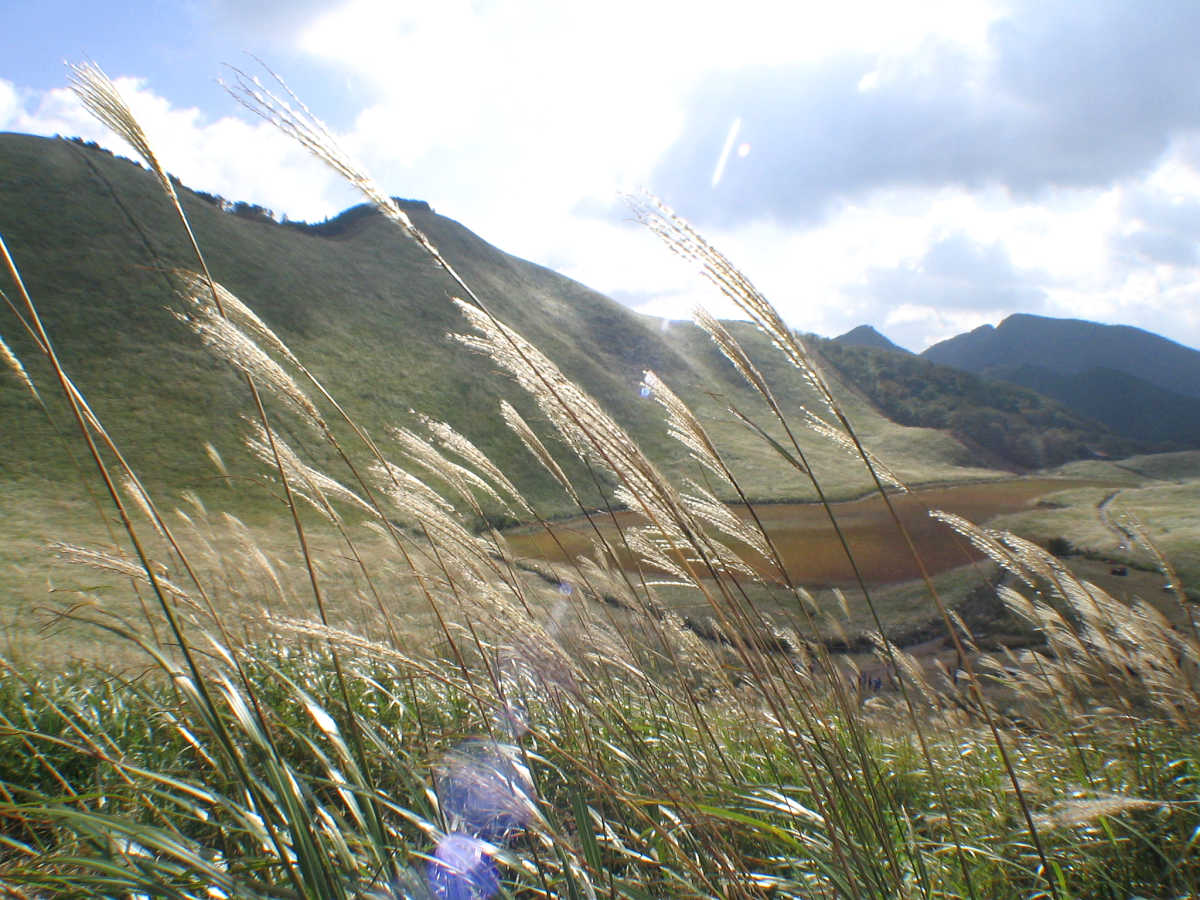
(866, 336)
(1126, 404)
(1139, 384)
(1004, 424)
(1071, 346)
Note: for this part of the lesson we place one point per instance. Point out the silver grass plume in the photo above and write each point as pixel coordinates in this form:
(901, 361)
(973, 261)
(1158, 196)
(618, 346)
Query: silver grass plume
(198, 292)
(456, 443)
(705, 505)
(13, 363)
(533, 444)
(686, 242)
(986, 542)
(421, 505)
(586, 428)
(733, 351)
(253, 551)
(462, 479)
(289, 114)
(102, 99)
(233, 345)
(683, 425)
(104, 561)
(137, 493)
(314, 486)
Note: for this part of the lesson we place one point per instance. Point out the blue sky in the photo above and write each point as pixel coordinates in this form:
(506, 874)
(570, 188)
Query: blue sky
(924, 168)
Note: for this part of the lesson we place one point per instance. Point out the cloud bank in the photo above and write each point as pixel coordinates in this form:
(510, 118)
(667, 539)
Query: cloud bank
(922, 170)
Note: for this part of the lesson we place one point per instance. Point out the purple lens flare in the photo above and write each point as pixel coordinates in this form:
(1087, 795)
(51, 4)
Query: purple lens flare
(485, 790)
(462, 869)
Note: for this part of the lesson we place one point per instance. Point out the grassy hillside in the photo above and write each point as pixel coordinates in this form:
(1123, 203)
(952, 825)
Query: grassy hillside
(1159, 492)
(362, 307)
(1128, 405)
(1006, 424)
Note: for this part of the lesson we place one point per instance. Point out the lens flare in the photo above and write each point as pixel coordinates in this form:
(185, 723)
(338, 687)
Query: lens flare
(719, 171)
(462, 869)
(485, 790)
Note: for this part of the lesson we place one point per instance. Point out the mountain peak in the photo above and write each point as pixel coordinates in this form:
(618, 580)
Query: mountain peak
(1071, 347)
(866, 336)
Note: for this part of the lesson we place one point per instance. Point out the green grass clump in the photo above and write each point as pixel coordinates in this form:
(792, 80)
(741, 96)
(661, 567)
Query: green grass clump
(113, 785)
(284, 724)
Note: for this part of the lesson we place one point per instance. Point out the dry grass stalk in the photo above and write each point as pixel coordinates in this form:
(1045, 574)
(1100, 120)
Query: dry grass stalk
(732, 350)
(1087, 810)
(215, 298)
(13, 363)
(423, 454)
(534, 445)
(686, 242)
(458, 444)
(236, 347)
(106, 561)
(315, 487)
(586, 428)
(102, 99)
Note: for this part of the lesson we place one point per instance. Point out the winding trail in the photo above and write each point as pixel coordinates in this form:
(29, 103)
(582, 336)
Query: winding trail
(1124, 537)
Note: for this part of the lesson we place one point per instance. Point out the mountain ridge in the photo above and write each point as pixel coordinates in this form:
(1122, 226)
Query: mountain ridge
(1071, 346)
(868, 336)
(368, 311)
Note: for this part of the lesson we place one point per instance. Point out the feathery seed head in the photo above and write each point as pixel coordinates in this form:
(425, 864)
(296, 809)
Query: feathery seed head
(232, 344)
(102, 99)
(15, 364)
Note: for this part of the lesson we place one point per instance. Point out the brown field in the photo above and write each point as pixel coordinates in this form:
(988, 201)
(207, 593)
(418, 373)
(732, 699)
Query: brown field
(810, 548)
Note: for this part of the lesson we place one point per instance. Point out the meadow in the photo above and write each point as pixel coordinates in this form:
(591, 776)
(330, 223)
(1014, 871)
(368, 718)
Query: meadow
(372, 692)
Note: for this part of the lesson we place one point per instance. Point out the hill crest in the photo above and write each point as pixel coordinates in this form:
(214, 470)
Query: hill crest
(369, 314)
(1072, 346)
(867, 336)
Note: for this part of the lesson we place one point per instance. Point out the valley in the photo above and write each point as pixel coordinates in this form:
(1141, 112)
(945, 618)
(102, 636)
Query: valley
(358, 303)
(811, 551)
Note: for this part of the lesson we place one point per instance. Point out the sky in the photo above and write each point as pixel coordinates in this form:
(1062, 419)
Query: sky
(924, 168)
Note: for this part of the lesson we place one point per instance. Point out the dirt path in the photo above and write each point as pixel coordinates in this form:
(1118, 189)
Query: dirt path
(1124, 538)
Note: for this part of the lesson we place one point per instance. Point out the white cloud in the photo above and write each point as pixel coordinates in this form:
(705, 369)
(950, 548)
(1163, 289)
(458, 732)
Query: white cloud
(515, 117)
(1060, 248)
(227, 156)
(10, 104)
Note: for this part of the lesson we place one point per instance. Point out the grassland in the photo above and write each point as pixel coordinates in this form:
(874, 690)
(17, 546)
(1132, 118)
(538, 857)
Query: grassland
(369, 314)
(277, 720)
(1159, 493)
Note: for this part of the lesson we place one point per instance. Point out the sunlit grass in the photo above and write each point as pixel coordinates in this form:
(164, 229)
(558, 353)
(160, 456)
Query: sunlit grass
(390, 704)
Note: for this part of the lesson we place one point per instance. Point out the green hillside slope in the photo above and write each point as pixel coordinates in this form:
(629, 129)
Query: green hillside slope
(1127, 404)
(368, 312)
(1007, 424)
